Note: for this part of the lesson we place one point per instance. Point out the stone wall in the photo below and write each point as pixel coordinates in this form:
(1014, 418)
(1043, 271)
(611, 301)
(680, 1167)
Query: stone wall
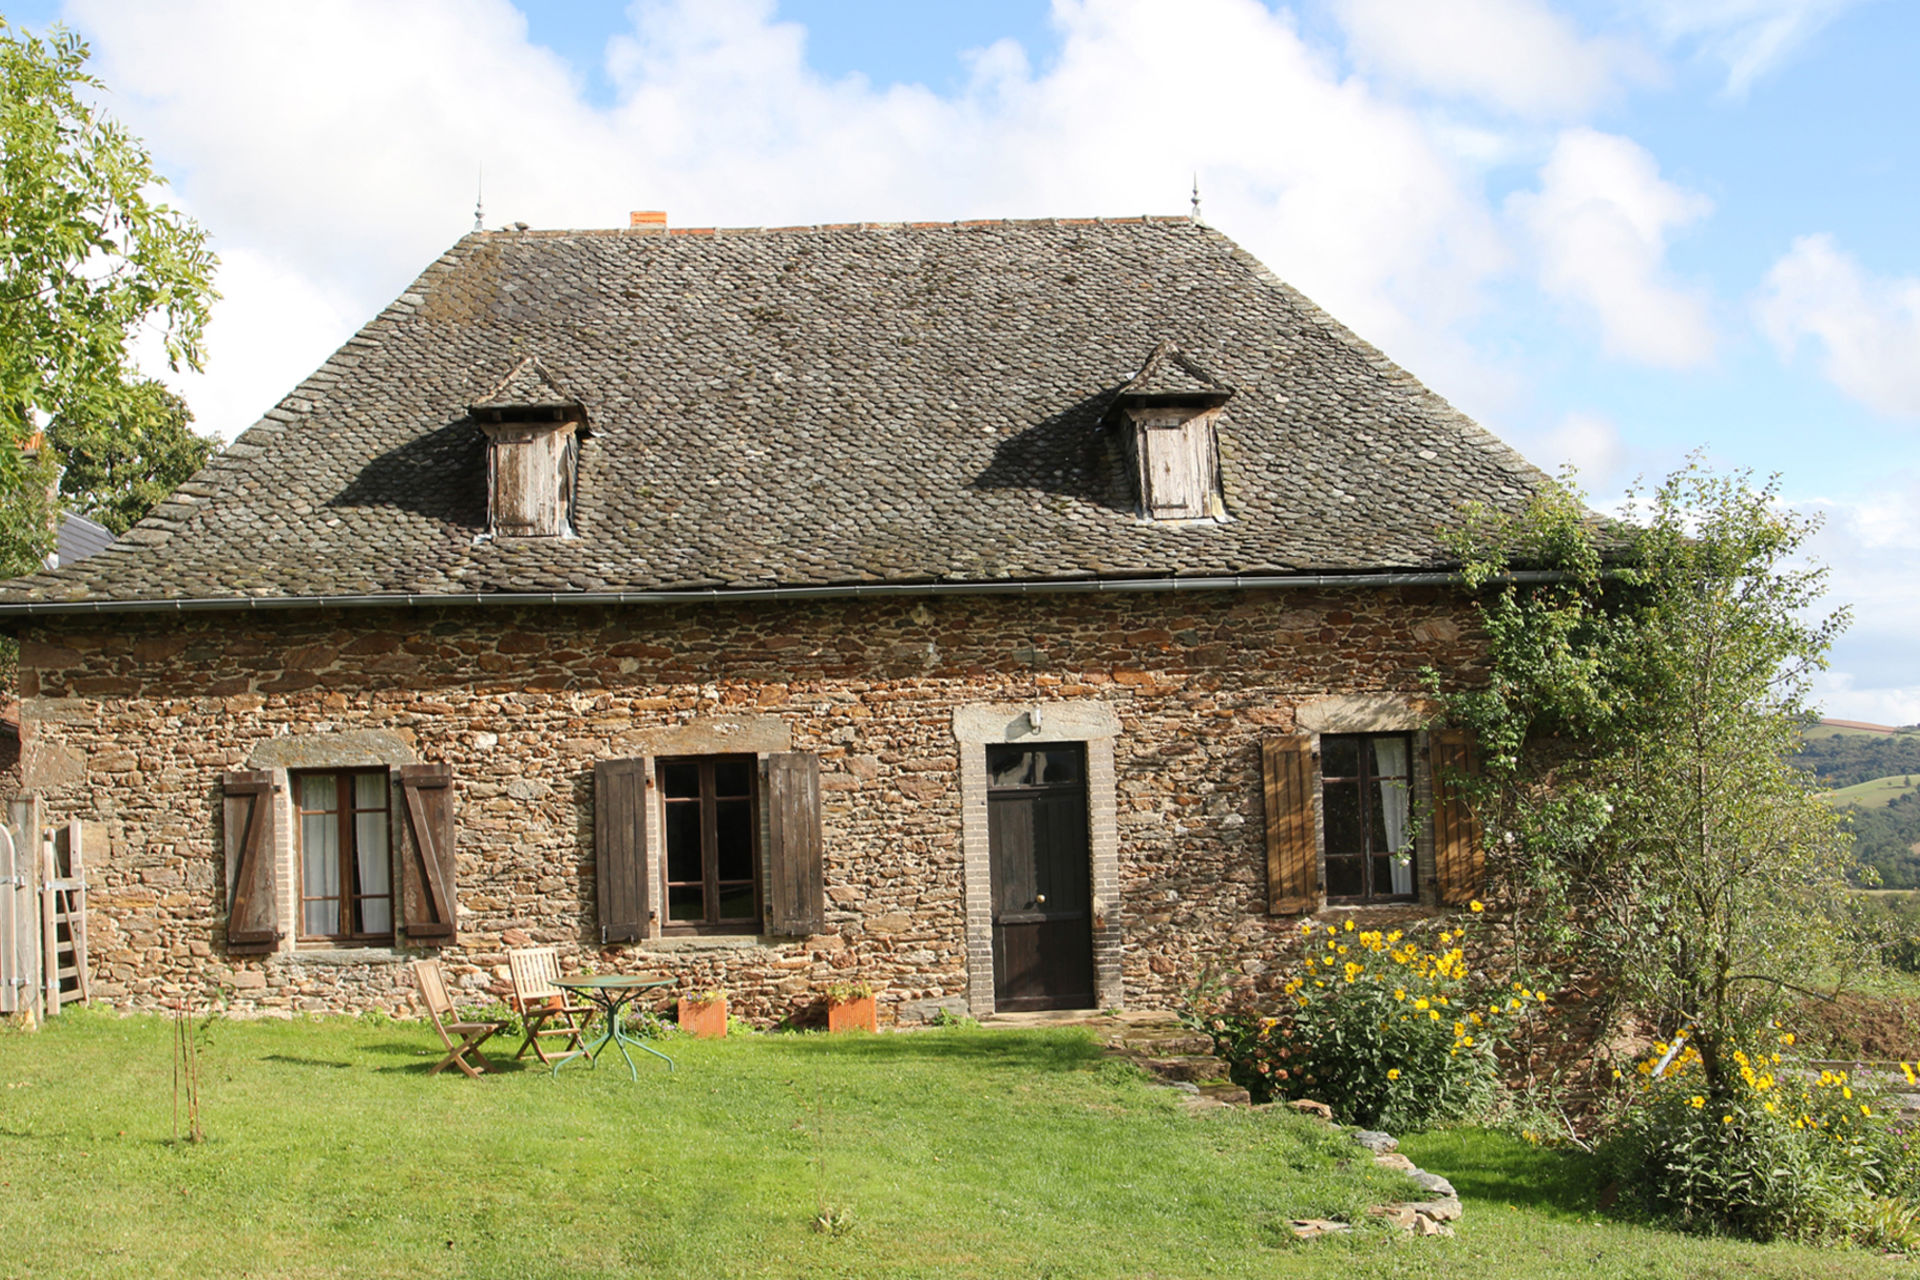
(130, 720)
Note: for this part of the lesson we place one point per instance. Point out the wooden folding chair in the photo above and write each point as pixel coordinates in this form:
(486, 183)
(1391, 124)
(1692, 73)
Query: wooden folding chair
(432, 982)
(539, 1002)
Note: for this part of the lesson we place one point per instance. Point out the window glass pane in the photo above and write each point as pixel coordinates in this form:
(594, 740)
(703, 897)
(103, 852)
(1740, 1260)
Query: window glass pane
(1343, 877)
(319, 867)
(369, 791)
(1390, 757)
(736, 902)
(734, 834)
(319, 791)
(680, 779)
(320, 919)
(732, 777)
(1339, 757)
(1060, 765)
(1010, 766)
(686, 902)
(1341, 801)
(683, 841)
(374, 867)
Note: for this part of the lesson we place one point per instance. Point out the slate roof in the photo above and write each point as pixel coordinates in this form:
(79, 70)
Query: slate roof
(864, 403)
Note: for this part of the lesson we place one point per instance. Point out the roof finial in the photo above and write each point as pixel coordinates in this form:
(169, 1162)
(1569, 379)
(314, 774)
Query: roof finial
(479, 190)
(1196, 196)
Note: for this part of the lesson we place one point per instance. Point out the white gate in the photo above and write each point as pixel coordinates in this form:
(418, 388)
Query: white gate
(20, 933)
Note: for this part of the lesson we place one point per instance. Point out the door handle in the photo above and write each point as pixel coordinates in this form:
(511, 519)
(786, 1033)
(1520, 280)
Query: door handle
(1040, 899)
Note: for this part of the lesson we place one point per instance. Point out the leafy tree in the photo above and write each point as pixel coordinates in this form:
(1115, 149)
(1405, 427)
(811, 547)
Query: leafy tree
(115, 473)
(1638, 730)
(87, 257)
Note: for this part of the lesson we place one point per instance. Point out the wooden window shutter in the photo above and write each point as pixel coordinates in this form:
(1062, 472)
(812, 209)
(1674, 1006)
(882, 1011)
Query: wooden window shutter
(253, 924)
(620, 848)
(1459, 858)
(429, 907)
(1293, 862)
(796, 898)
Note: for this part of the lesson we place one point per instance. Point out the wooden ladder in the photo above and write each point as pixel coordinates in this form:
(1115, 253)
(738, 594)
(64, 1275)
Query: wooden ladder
(63, 916)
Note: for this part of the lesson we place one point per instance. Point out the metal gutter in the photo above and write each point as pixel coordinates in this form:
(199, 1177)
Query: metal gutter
(721, 595)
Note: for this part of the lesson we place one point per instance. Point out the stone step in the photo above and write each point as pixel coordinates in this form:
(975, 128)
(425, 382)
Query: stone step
(1193, 1067)
(1227, 1092)
(1169, 1042)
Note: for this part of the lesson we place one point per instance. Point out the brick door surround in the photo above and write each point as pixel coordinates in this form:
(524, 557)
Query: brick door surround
(1093, 724)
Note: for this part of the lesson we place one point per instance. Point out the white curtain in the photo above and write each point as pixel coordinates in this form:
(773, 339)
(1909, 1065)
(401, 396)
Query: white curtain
(370, 851)
(1390, 766)
(320, 856)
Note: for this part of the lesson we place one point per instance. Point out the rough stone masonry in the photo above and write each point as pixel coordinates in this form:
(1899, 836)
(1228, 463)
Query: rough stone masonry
(130, 720)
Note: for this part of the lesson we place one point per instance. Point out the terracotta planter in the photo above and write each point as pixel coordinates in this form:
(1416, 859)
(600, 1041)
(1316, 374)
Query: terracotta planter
(851, 1015)
(707, 1021)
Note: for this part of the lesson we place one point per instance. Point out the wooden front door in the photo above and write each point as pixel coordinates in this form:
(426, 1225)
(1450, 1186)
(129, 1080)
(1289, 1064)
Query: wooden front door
(1042, 877)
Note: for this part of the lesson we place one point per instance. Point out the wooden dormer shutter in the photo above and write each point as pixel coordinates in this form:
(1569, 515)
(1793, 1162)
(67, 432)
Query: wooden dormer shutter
(253, 924)
(1293, 862)
(430, 908)
(1459, 857)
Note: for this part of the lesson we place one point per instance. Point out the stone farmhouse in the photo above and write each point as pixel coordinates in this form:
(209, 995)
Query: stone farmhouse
(1012, 615)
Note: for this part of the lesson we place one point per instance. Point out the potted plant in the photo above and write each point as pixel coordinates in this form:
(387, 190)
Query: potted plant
(704, 1014)
(850, 1007)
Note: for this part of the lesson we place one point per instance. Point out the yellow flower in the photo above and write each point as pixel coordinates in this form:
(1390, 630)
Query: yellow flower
(1911, 1077)
(1393, 1073)
(1349, 926)
(1617, 1075)
(1421, 1003)
(1467, 1040)
(1434, 1014)
(1399, 993)
(1726, 1119)
(1476, 905)
(1696, 1101)
(1864, 1111)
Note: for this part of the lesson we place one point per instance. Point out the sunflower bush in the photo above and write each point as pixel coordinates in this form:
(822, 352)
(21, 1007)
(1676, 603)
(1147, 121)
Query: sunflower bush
(1776, 1151)
(1384, 1030)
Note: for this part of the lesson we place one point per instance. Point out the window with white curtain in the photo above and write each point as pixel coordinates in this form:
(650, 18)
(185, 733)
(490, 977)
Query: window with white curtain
(1366, 802)
(346, 860)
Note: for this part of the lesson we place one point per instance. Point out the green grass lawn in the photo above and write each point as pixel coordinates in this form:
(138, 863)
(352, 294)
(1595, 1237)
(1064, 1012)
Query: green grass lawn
(1875, 793)
(956, 1152)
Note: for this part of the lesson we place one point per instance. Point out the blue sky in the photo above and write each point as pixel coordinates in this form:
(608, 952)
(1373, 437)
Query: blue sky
(1613, 231)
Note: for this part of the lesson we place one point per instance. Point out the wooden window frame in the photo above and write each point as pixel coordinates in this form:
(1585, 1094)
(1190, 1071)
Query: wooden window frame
(349, 862)
(1363, 779)
(710, 881)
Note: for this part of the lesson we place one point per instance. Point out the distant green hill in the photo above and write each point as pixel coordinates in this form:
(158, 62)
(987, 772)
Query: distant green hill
(1875, 793)
(1874, 776)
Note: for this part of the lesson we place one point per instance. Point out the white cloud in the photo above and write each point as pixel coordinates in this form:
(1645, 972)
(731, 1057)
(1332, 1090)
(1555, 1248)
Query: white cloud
(1517, 56)
(339, 142)
(1867, 327)
(1600, 223)
(1749, 37)
(1588, 442)
(1871, 547)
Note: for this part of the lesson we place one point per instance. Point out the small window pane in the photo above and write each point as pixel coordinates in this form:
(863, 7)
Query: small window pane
(732, 777)
(686, 902)
(1343, 877)
(683, 841)
(1010, 767)
(736, 902)
(369, 791)
(1342, 803)
(681, 779)
(734, 823)
(318, 791)
(1059, 766)
(1339, 757)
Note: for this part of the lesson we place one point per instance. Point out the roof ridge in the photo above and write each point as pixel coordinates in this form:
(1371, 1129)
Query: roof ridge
(961, 224)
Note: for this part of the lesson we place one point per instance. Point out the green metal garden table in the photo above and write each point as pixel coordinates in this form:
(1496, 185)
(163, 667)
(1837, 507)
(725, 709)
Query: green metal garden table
(611, 993)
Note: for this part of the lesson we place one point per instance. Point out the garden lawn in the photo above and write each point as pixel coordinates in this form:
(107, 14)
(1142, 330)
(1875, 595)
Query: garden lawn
(955, 1152)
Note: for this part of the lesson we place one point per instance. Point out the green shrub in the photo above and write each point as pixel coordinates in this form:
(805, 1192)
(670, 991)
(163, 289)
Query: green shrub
(1772, 1153)
(1384, 1031)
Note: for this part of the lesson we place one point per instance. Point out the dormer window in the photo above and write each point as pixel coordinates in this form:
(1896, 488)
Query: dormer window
(533, 432)
(1166, 415)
